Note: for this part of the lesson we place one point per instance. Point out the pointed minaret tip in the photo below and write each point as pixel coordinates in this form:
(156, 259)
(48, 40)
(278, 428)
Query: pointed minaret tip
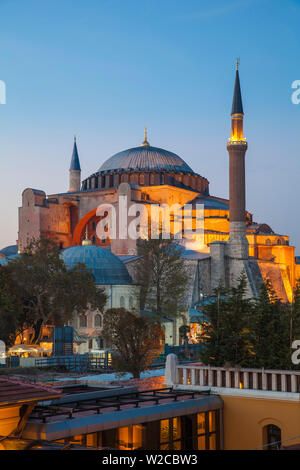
(237, 104)
(75, 163)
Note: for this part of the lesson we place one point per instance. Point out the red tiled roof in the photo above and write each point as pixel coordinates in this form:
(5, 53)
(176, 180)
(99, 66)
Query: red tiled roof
(15, 391)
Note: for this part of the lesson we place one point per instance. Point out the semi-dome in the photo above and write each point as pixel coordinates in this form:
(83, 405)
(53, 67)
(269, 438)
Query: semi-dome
(210, 203)
(148, 158)
(106, 268)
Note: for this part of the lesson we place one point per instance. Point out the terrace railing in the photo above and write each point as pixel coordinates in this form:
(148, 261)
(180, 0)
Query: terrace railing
(237, 378)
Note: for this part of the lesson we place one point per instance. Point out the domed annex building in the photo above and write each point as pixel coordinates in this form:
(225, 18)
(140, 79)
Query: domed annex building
(149, 175)
(110, 273)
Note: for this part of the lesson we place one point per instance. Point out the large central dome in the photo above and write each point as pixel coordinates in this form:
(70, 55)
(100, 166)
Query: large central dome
(148, 158)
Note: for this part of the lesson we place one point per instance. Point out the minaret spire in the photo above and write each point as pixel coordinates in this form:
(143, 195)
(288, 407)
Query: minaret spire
(237, 146)
(75, 164)
(237, 112)
(75, 170)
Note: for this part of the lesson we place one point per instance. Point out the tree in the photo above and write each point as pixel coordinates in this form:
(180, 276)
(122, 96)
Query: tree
(183, 336)
(226, 333)
(47, 290)
(294, 312)
(10, 308)
(271, 328)
(136, 340)
(163, 277)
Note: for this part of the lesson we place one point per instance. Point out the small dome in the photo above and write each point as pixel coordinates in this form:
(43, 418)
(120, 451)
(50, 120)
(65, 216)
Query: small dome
(4, 261)
(9, 250)
(105, 266)
(148, 158)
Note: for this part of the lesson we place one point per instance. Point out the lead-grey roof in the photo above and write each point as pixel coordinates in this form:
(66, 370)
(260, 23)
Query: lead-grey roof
(147, 157)
(237, 105)
(106, 267)
(9, 250)
(75, 164)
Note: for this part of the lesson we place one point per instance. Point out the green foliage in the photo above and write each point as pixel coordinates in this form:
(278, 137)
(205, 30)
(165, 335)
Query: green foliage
(226, 334)
(295, 315)
(47, 291)
(270, 326)
(136, 340)
(10, 307)
(250, 332)
(163, 277)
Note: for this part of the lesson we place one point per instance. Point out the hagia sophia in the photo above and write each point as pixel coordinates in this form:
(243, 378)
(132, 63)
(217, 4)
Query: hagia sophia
(234, 242)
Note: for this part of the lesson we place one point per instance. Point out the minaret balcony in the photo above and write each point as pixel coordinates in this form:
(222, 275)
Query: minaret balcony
(242, 143)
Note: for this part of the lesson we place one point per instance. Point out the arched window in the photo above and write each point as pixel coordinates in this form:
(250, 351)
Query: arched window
(278, 241)
(272, 437)
(122, 301)
(131, 303)
(83, 321)
(268, 242)
(97, 320)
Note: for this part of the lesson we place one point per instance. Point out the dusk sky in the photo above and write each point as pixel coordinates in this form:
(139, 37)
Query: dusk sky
(103, 69)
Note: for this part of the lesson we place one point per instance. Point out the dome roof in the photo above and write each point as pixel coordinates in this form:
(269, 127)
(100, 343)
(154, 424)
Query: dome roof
(146, 157)
(9, 250)
(105, 266)
(210, 203)
(4, 261)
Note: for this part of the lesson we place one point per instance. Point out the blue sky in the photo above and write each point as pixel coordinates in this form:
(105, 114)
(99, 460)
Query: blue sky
(102, 69)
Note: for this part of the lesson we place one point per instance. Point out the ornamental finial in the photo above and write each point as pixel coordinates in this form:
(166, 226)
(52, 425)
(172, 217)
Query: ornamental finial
(86, 241)
(237, 63)
(145, 143)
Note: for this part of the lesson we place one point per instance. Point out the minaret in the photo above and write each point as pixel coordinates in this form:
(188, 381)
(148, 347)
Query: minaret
(75, 170)
(237, 146)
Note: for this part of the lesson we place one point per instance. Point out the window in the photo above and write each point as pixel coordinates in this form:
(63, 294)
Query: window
(272, 437)
(97, 321)
(131, 437)
(122, 302)
(82, 321)
(130, 303)
(207, 430)
(170, 434)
